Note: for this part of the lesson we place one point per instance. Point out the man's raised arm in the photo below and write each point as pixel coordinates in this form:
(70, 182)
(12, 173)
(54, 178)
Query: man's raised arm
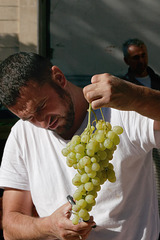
(109, 91)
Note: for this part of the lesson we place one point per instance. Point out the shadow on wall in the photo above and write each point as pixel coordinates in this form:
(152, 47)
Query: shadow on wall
(9, 44)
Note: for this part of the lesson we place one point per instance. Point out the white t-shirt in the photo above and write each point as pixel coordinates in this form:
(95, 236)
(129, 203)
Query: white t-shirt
(126, 209)
(146, 81)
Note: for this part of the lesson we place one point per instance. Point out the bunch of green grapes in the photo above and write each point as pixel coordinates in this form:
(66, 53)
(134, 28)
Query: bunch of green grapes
(90, 154)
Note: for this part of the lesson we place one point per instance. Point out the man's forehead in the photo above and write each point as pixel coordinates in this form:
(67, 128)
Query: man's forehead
(31, 86)
(29, 98)
(137, 48)
(24, 106)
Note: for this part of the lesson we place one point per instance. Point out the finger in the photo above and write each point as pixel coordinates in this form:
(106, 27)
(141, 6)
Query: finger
(98, 103)
(99, 77)
(67, 210)
(92, 94)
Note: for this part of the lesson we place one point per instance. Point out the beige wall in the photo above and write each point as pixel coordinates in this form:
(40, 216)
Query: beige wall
(18, 26)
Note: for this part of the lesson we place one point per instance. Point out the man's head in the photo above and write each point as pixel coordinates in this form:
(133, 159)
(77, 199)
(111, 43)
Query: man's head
(17, 70)
(136, 56)
(36, 91)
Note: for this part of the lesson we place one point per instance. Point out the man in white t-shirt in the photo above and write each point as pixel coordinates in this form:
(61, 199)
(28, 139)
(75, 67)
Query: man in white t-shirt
(33, 170)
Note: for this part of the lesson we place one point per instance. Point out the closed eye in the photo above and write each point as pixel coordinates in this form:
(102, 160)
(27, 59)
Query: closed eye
(41, 107)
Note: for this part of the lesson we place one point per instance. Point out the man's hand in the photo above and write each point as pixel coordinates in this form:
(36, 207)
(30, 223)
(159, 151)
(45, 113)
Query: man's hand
(18, 222)
(63, 228)
(109, 91)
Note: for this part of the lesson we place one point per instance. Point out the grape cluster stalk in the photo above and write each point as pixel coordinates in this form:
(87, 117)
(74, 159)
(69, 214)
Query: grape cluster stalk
(90, 154)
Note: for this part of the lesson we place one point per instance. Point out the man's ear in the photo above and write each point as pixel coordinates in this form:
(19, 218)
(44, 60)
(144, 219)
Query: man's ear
(58, 76)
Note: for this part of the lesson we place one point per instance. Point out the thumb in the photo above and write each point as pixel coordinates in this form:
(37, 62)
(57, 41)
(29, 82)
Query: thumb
(68, 209)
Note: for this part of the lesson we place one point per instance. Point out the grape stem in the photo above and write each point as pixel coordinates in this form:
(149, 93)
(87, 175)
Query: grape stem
(89, 115)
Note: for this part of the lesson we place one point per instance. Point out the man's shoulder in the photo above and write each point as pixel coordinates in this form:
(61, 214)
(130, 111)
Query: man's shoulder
(24, 126)
(155, 78)
(152, 72)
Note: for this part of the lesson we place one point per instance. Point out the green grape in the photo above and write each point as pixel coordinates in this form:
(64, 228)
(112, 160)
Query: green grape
(102, 155)
(88, 207)
(72, 155)
(108, 143)
(77, 207)
(118, 130)
(116, 139)
(91, 146)
(88, 186)
(84, 178)
(79, 148)
(69, 162)
(101, 146)
(76, 219)
(96, 181)
(93, 203)
(76, 139)
(86, 217)
(108, 125)
(79, 167)
(65, 152)
(89, 154)
(84, 138)
(95, 166)
(90, 199)
(99, 125)
(93, 192)
(100, 137)
(77, 180)
(103, 177)
(92, 174)
(77, 195)
(86, 160)
(71, 147)
(105, 163)
(88, 169)
(111, 175)
(74, 166)
(81, 203)
(111, 134)
(82, 213)
(81, 171)
(97, 188)
(93, 159)
(79, 156)
(81, 163)
(110, 166)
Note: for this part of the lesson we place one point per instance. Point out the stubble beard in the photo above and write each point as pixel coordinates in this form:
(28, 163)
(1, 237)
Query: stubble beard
(68, 118)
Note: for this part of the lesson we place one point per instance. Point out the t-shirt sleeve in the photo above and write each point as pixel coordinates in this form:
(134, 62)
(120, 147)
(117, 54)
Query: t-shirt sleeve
(140, 130)
(13, 172)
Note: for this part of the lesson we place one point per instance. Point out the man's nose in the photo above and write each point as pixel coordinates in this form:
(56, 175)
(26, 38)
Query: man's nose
(42, 120)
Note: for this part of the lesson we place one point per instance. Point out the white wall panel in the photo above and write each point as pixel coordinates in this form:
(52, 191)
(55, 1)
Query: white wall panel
(87, 36)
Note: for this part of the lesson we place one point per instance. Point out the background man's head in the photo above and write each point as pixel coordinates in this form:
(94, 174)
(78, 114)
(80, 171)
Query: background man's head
(136, 56)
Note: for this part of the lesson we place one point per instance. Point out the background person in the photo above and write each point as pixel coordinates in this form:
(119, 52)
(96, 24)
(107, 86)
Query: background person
(136, 57)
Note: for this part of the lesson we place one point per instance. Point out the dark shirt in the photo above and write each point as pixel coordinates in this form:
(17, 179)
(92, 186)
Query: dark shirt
(155, 79)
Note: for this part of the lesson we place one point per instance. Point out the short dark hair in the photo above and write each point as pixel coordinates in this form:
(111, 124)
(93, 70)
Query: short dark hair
(132, 41)
(17, 70)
